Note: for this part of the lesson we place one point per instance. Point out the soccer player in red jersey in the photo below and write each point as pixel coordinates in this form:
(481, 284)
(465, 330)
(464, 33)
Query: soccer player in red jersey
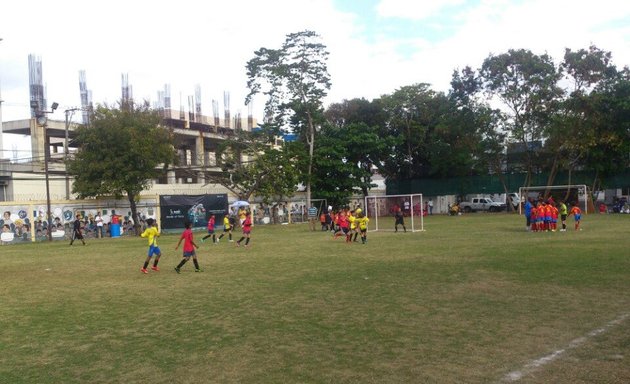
(548, 216)
(540, 219)
(189, 248)
(210, 230)
(554, 217)
(533, 217)
(577, 214)
(247, 229)
(344, 225)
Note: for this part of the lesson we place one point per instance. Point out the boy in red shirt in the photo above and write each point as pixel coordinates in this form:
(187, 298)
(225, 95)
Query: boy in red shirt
(344, 225)
(540, 220)
(189, 248)
(533, 216)
(577, 214)
(210, 231)
(247, 229)
(554, 218)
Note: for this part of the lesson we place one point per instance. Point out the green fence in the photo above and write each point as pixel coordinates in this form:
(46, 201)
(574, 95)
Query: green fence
(490, 184)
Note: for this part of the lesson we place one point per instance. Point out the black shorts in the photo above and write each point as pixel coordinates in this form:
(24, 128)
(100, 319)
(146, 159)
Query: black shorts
(77, 235)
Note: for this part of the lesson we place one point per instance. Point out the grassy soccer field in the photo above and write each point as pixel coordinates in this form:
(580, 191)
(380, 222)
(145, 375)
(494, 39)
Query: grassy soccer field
(473, 299)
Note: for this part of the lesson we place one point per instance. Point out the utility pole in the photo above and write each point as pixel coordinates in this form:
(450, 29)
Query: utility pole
(42, 121)
(69, 113)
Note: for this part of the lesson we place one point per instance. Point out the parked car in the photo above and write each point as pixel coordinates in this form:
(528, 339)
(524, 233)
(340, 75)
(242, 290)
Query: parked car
(482, 204)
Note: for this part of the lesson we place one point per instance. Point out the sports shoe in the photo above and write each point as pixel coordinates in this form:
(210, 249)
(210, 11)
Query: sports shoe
(144, 270)
(198, 270)
(231, 241)
(203, 240)
(238, 244)
(155, 268)
(177, 270)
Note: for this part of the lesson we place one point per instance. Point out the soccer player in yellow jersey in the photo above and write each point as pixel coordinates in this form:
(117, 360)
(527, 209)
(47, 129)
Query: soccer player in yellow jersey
(363, 224)
(242, 214)
(227, 228)
(152, 234)
(563, 215)
(353, 226)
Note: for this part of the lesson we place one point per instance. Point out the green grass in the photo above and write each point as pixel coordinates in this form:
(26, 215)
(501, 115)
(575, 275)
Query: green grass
(470, 300)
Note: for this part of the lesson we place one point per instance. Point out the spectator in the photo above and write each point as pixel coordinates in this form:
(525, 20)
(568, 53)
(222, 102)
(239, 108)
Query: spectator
(99, 225)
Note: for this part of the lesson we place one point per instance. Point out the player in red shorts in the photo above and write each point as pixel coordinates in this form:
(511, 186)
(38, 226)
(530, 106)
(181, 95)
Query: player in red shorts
(247, 229)
(577, 214)
(533, 215)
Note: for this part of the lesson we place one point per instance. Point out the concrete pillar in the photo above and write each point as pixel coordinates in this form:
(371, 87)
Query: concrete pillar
(38, 142)
(200, 158)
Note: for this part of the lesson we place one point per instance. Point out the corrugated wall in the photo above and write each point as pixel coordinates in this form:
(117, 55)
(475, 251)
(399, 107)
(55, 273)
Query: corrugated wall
(490, 184)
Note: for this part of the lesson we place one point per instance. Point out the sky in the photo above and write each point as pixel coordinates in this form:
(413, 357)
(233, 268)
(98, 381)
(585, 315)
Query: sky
(375, 46)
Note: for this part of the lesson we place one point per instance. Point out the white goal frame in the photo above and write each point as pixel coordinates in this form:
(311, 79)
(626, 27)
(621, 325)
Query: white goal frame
(581, 188)
(372, 208)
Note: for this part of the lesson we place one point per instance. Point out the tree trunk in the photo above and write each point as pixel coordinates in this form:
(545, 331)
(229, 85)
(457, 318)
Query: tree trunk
(508, 201)
(552, 173)
(311, 147)
(134, 212)
(566, 196)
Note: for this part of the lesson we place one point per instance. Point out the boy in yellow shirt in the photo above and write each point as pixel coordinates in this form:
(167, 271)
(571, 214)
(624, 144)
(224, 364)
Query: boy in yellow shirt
(152, 234)
(363, 225)
(227, 228)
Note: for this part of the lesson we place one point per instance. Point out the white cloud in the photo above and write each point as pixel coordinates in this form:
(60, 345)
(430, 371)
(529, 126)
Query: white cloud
(413, 9)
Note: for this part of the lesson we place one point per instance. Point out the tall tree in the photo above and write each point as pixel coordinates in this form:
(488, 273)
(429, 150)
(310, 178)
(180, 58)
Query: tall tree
(409, 115)
(120, 152)
(358, 126)
(250, 164)
(453, 139)
(488, 138)
(345, 158)
(295, 80)
(356, 111)
(527, 85)
(583, 114)
(609, 145)
(332, 171)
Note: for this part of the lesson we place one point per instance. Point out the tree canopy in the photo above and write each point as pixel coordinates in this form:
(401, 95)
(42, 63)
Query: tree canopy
(251, 164)
(295, 80)
(121, 152)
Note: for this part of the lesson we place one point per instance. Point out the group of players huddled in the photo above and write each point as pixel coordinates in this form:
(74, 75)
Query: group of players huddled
(542, 216)
(346, 222)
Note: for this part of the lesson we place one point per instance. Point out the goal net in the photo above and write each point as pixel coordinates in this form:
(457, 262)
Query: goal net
(570, 194)
(381, 211)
